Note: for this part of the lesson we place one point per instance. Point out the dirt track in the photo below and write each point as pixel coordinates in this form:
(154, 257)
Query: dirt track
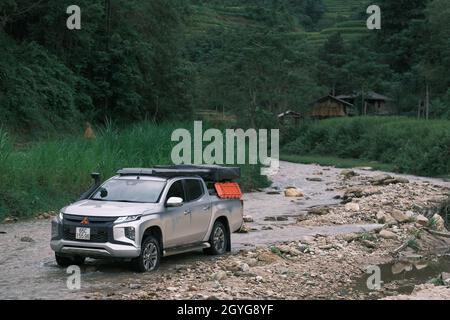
(28, 270)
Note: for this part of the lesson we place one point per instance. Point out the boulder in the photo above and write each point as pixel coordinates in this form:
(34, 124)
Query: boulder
(445, 277)
(248, 218)
(422, 220)
(320, 211)
(399, 216)
(219, 275)
(267, 257)
(26, 239)
(349, 174)
(314, 179)
(352, 206)
(380, 179)
(401, 180)
(385, 234)
(440, 223)
(293, 193)
(381, 217)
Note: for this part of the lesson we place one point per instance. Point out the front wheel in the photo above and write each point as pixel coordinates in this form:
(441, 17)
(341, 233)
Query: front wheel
(150, 256)
(218, 239)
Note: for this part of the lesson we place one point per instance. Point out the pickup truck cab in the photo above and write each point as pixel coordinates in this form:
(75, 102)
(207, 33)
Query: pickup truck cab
(145, 214)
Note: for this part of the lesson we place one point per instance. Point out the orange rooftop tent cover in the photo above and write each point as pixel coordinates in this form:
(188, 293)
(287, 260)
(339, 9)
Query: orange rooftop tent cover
(228, 190)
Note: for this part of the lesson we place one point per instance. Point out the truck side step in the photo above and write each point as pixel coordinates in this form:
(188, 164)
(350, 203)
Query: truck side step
(183, 249)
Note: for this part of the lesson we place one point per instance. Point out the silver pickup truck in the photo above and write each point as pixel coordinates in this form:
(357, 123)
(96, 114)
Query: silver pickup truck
(145, 214)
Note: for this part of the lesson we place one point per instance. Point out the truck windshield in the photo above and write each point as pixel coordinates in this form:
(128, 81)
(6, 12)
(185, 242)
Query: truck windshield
(130, 190)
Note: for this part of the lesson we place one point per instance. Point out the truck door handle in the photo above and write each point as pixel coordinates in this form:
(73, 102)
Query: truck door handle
(206, 208)
(188, 211)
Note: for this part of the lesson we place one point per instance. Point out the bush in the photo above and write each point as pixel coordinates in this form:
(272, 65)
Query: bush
(413, 146)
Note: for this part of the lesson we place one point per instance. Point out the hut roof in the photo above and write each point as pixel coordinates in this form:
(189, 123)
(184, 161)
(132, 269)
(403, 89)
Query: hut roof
(332, 98)
(370, 95)
(289, 113)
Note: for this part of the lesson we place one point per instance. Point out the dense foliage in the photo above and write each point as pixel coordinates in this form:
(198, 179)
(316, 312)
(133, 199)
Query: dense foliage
(413, 146)
(159, 59)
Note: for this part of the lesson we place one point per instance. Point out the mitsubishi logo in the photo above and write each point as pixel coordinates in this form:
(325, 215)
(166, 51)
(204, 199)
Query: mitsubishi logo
(85, 221)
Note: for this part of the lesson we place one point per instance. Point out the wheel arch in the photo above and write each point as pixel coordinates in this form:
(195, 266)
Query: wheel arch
(225, 222)
(156, 232)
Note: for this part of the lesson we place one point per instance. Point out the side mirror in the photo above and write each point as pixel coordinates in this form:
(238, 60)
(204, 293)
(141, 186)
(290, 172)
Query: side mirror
(96, 177)
(174, 202)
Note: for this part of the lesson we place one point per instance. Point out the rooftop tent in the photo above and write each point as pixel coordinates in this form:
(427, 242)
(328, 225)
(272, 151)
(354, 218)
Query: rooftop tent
(210, 173)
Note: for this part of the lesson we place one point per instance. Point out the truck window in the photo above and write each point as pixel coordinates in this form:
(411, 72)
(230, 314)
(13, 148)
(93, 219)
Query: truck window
(176, 190)
(194, 189)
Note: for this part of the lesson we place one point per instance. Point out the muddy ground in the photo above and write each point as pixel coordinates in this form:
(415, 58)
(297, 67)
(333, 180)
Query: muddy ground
(316, 245)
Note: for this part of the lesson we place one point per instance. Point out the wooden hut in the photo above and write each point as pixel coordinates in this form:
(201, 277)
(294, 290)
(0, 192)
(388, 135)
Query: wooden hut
(330, 107)
(289, 118)
(374, 103)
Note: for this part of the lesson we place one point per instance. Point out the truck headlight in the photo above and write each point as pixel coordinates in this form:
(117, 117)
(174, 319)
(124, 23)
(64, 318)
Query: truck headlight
(127, 219)
(61, 216)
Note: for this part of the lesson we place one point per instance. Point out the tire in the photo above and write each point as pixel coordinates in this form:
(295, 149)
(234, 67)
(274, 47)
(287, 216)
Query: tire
(65, 261)
(218, 240)
(150, 256)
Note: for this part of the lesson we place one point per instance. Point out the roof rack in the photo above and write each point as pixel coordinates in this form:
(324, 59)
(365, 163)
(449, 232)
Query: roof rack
(210, 173)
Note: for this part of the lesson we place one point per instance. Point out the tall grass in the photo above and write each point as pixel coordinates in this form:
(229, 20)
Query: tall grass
(50, 174)
(412, 146)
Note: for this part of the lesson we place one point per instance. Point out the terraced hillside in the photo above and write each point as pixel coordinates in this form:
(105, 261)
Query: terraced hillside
(342, 16)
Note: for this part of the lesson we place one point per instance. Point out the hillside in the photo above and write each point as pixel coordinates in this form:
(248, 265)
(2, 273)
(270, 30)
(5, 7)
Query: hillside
(343, 16)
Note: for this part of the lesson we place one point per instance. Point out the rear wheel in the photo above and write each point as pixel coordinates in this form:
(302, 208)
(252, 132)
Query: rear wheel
(150, 256)
(218, 239)
(65, 261)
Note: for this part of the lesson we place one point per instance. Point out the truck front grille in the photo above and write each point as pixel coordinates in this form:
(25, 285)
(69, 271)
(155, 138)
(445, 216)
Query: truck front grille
(97, 235)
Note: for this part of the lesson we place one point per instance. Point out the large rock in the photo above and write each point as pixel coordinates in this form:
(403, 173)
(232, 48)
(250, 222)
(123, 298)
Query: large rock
(381, 217)
(380, 179)
(248, 218)
(293, 193)
(353, 192)
(219, 275)
(320, 211)
(267, 257)
(352, 206)
(399, 216)
(422, 220)
(385, 234)
(348, 174)
(440, 223)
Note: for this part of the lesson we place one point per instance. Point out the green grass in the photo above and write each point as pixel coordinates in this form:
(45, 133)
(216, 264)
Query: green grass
(50, 174)
(409, 145)
(336, 162)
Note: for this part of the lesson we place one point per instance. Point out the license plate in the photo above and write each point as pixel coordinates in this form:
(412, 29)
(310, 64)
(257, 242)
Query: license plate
(83, 234)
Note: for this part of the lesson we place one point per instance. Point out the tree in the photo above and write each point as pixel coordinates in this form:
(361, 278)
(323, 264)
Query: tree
(333, 55)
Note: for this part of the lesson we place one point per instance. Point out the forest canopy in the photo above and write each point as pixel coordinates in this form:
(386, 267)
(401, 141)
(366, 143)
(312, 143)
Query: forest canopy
(165, 59)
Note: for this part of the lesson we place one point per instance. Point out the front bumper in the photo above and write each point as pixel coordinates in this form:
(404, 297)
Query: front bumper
(94, 250)
(107, 238)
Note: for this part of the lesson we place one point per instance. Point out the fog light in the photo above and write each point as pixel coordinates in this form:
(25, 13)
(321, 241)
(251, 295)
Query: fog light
(130, 233)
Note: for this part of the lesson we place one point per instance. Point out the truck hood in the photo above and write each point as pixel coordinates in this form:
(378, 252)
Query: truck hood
(109, 208)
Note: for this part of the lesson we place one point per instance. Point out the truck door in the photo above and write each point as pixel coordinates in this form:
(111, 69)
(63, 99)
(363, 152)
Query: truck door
(177, 221)
(199, 204)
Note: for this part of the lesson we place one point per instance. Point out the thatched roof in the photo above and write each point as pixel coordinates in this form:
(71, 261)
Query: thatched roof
(290, 113)
(370, 95)
(325, 98)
